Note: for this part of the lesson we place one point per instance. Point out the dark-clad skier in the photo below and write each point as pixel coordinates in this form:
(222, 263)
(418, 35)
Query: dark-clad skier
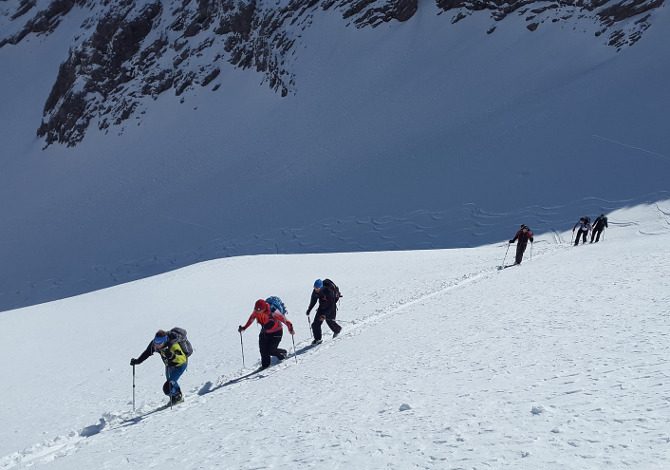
(522, 237)
(599, 225)
(326, 295)
(584, 226)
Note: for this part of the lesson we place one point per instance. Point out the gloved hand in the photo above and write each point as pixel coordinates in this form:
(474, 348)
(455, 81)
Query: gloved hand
(308, 312)
(133, 361)
(511, 241)
(240, 329)
(291, 330)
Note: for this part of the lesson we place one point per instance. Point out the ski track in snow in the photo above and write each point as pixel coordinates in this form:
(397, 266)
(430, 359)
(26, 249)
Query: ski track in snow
(560, 406)
(111, 421)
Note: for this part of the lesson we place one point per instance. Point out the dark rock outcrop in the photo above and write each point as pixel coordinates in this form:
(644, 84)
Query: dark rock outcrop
(131, 51)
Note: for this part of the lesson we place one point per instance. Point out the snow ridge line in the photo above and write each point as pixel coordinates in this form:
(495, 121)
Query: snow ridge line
(61, 446)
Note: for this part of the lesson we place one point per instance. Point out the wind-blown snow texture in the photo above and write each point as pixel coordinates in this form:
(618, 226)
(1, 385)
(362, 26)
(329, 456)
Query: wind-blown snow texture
(416, 134)
(444, 362)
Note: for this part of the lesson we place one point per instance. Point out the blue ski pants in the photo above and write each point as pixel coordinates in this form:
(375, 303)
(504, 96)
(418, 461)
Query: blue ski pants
(172, 374)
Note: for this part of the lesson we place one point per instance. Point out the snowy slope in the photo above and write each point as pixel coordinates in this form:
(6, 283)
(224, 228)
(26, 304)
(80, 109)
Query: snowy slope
(444, 362)
(422, 134)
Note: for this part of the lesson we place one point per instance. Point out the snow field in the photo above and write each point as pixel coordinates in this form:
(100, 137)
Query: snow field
(444, 362)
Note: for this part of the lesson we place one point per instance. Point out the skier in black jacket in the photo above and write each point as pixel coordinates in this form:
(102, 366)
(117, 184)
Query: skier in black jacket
(523, 236)
(598, 226)
(327, 310)
(584, 226)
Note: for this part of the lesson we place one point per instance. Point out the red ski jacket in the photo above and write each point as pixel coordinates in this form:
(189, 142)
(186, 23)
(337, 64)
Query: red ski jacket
(271, 322)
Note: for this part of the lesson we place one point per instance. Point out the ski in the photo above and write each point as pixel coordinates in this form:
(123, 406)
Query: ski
(500, 268)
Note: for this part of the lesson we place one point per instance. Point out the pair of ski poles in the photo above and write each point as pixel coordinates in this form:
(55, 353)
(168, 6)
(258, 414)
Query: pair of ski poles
(507, 251)
(242, 346)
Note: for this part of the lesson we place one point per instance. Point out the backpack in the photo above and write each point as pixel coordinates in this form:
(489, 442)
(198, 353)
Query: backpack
(277, 304)
(184, 343)
(336, 290)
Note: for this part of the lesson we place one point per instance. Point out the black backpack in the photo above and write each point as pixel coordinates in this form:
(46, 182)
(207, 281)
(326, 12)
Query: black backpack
(180, 337)
(336, 290)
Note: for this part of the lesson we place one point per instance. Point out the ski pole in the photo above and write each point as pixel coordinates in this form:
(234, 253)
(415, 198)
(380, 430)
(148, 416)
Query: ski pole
(295, 353)
(167, 374)
(505, 257)
(531, 251)
(242, 344)
(309, 322)
(133, 387)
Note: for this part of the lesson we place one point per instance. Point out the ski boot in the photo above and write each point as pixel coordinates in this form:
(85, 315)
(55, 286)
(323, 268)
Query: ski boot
(175, 399)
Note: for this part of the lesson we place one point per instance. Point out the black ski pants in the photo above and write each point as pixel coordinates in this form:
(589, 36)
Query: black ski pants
(520, 249)
(269, 346)
(330, 321)
(581, 233)
(596, 234)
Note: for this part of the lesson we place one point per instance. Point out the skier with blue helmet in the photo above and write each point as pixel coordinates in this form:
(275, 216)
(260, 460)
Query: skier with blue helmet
(327, 295)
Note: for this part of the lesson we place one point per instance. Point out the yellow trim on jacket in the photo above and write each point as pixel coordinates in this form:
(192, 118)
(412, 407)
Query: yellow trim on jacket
(173, 356)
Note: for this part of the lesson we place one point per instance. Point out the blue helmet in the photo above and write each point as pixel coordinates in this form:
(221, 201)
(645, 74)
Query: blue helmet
(318, 284)
(160, 339)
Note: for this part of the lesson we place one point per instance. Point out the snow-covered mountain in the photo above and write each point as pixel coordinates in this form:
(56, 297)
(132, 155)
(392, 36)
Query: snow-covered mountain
(444, 362)
(141, 136)
(131, 50)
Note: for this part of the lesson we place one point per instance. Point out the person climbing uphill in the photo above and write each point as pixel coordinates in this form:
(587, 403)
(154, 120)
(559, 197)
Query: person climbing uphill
(523, 235)
(174, 350)
(271, 331)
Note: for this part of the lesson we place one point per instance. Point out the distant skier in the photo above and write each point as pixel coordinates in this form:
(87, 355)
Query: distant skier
(327, 294)
(599, 225)
(271, 331)
(167, 344)
(523, 235)
(584, 226)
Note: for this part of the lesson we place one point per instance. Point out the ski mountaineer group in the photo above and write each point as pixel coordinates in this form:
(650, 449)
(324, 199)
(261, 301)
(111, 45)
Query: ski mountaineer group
(270, 313)
(583, 227)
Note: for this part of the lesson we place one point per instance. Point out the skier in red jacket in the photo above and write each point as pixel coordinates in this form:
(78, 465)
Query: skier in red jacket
(271, 331)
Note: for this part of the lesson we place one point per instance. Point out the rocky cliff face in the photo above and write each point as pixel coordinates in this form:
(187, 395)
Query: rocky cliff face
(129, 51)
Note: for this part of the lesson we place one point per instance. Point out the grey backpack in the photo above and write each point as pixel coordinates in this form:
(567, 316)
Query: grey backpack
(180, 337)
